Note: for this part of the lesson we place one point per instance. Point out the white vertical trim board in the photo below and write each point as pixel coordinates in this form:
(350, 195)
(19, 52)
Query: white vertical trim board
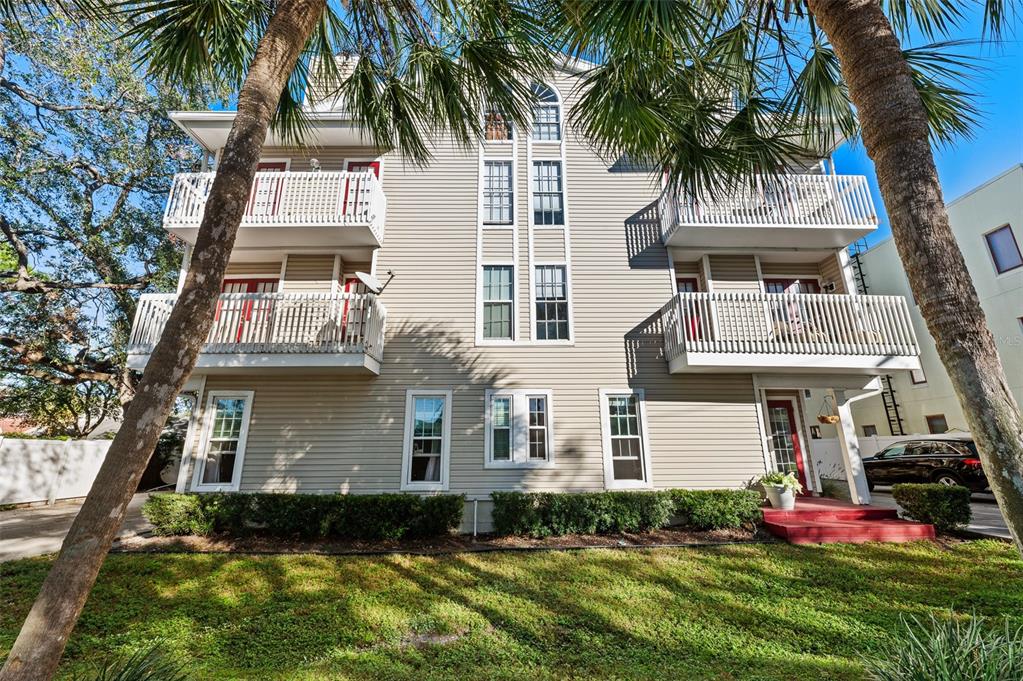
(188, 449)
(406, 453)
(239, 459)
(519, 428)
(284, 273)
(605, 430)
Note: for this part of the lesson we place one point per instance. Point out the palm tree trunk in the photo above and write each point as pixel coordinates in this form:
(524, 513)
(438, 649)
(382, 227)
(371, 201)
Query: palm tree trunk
(895, 134)
(37, 651)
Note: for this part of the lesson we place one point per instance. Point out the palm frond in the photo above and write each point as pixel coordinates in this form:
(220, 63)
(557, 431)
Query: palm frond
(931, 17)
(818, 103)
(941, 78)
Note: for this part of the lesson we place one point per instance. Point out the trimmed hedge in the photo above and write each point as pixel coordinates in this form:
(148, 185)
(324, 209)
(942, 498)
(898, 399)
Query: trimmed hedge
(940, 505)
(305, 516)
(547, 514)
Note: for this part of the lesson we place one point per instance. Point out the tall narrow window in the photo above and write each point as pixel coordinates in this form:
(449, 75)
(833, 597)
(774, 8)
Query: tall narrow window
(546, 114)
(625, 462)
(497, 193)
(551, 303)
(498, 126)
(501, 427)
(548, 195)
(427, 434)
(497, 301)
(918, 376)
(537, 428)
(219, 466)
(1004, 249)
(519, 428)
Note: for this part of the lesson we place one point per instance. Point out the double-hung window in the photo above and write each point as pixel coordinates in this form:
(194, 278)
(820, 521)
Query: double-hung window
(497, 302)
(548, 193)
(219, 465)
(551, 303)
(518, 429)
(426, 452)
(1004, 250)
(626, 456)
(546, 115)
(498, 199)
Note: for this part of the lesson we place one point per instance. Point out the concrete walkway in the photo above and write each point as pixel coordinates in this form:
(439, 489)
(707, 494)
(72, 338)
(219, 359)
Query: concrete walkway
(987, 519)
(36, 531)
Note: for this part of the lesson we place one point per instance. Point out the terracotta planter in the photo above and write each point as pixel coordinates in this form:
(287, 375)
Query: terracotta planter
(780, 497)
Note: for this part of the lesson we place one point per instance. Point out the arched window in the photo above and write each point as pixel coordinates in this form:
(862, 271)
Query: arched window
(546, 114)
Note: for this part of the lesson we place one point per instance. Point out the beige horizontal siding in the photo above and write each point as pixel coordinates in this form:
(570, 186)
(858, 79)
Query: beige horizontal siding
(309, 274)
(734, 273)
(789, 269)
(497, 245)
(268, 269)
(831, 271)
(548, 245)
(316, 432)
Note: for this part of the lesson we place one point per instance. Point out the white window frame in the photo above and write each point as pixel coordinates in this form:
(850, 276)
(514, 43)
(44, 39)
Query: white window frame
(534, 178)
(445, 449)
(561, 116)
(534, 320)
(481, 316)
(208, 417)
(644, 439)
(912, 378)
(519, 428)
(503, 162)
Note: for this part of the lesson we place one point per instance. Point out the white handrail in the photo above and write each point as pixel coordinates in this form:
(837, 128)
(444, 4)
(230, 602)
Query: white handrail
(288, 198)
(788, 323)
(772, 201)
(274, 323)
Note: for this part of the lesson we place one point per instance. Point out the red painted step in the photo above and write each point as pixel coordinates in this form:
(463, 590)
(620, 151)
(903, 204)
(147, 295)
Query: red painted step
(824, 521)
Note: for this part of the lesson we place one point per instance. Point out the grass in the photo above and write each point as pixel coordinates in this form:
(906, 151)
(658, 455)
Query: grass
(731, 612)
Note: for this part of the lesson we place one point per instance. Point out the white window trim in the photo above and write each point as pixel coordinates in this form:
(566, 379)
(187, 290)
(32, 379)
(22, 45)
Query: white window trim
(519, 428)
(445, 449)
(480, 338)
(605, 430)
(561, 118)
(204, 446)
(533, 336)
(532, 192)
(510, 162)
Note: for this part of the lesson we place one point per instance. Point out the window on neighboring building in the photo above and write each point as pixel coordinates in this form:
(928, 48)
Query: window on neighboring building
(1004, 249)
(936, 424)
(918, 376)
(427, 440)
(625, 455)
(497, 301)
(815, 432)
(518, 424)
(551, 303)
(687, 284)
(220, 463)
(546, 114)
(497, 193)
(498, 126)
(869, 430)
(548, 197)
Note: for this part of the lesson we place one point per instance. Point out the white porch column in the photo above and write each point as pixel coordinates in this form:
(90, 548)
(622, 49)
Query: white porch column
(186, 260)
(850, 446)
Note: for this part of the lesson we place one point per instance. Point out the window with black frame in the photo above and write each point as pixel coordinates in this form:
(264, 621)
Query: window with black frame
(551, 303)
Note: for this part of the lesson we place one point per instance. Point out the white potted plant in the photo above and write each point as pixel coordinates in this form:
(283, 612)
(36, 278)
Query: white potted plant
(781, 489)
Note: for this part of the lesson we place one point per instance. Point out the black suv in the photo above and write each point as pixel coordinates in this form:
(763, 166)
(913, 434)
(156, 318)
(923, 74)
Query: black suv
(948, 461)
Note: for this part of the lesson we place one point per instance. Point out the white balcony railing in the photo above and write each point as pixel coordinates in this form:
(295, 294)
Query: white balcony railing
(288, 198)
(790, 324)
(271, 323)
(773, 201)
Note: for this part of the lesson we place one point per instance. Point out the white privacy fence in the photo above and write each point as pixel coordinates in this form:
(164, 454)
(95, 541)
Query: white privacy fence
(779, 201)
(788, 323)
(46, 470)
(289, 198)
(274, 323)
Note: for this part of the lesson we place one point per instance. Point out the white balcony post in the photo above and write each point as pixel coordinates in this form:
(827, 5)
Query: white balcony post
(850, 446)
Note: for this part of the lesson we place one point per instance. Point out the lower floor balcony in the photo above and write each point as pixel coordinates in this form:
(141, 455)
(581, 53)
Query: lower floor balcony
(267, 331)
(789, 333)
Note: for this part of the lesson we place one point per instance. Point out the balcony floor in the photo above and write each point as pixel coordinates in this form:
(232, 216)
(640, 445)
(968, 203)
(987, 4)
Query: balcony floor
(745, 363)
(216, 363)
(767, 237)
(288, 236)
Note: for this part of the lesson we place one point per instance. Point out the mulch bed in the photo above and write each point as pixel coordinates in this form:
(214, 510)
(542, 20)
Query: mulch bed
(435, 546)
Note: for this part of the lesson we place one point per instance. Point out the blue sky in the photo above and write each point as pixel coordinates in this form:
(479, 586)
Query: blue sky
(997, 143)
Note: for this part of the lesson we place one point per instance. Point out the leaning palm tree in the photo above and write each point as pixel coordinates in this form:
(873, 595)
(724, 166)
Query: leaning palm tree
(671, 80)
(407, 69)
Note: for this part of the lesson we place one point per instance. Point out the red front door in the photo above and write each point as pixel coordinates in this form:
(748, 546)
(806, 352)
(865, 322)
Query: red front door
(265, 198)
(245, 310)
(353, 188)
(785, 442)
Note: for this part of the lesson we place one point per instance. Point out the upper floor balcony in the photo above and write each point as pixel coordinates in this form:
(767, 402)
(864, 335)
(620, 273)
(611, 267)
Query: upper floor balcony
(785, 211)
(789, 333)
(315, 209)
(274, 331)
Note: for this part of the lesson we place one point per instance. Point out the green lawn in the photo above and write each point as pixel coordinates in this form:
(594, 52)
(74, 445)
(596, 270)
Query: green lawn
(743, 612)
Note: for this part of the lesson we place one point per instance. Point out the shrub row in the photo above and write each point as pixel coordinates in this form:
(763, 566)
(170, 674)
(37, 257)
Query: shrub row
(545, 514)
(942, 506)
(305, 516)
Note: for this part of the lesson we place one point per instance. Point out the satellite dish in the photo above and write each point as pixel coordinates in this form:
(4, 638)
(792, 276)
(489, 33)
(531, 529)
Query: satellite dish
(372, 283)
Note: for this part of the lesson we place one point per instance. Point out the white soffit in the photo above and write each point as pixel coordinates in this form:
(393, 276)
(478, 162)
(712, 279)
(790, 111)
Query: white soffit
(210, 129)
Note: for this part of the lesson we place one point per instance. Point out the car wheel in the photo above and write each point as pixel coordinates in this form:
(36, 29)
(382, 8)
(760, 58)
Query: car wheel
(947, 479)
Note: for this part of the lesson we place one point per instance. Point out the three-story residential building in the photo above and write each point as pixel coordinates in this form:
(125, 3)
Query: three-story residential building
(555, 321)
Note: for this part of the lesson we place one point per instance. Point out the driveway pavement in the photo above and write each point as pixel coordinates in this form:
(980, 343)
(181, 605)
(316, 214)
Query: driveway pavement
(987, 519)
(35, 531)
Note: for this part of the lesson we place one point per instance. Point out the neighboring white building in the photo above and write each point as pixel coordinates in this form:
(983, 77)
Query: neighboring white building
(556, 322)
(988, 225)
